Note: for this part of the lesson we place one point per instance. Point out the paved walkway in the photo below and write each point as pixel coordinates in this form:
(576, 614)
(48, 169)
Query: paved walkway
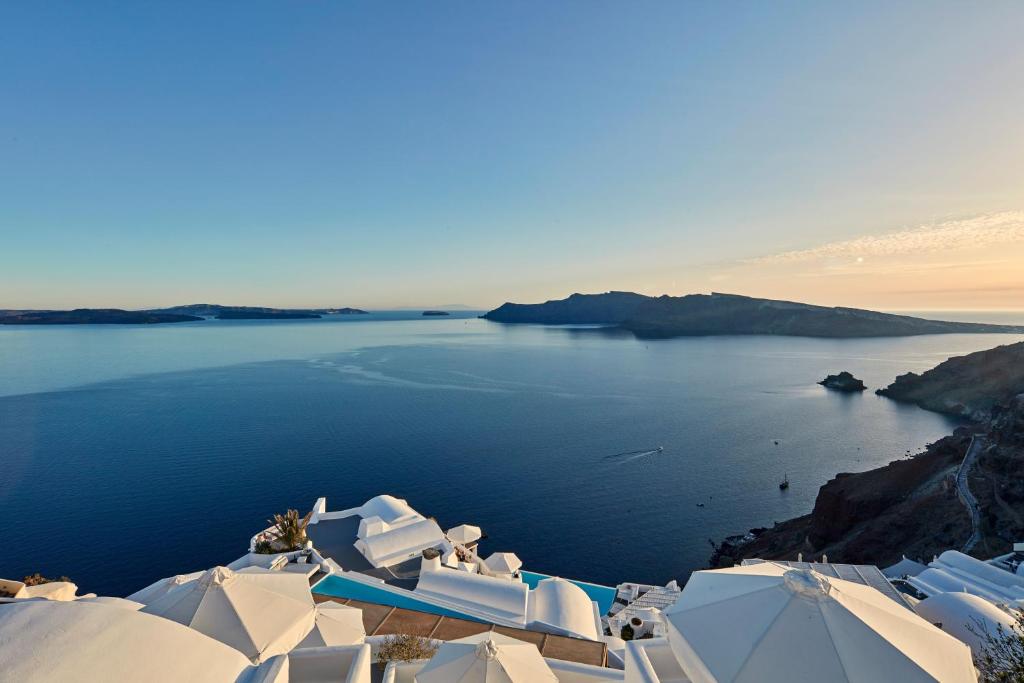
(963, 490)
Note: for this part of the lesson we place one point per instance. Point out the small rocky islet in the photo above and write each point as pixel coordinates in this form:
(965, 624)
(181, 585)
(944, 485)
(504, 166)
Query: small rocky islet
(844, 381)
(910, 507)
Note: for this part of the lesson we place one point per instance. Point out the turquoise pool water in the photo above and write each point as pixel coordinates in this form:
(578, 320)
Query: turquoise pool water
(604, 596)
(340, 587)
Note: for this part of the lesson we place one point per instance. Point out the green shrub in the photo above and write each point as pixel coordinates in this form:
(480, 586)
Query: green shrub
(403, 647)
(38, 579)
(289, 531)
(1001, 659)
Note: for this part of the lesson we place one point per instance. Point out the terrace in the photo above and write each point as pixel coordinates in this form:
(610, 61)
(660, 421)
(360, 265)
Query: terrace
(386, 552)
(383, 620)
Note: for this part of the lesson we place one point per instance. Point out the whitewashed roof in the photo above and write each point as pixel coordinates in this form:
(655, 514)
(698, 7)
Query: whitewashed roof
(935, 580)
(399, 543)
(260, 614)
(564, 606)
(504, 563)
(500, 597)
(465, 533)
(980, 578)
(389, 509)
(43, 641)
(768, 623)
(904, 567)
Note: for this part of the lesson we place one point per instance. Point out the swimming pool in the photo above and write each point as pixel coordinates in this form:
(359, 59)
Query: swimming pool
(340, 587)
(604, 596)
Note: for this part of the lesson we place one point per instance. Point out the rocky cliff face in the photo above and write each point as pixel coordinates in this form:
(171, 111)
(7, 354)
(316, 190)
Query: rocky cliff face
(968, 386)
(909, 506)
(998, 478)
(702, 314)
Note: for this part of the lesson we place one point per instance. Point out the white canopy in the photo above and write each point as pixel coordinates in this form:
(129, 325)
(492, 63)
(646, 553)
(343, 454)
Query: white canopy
(904, 567)
(258, 614)
(465, 533)
(486, 658)
(161, 587)
(336, 624)
(43, 641)
(503, 563)
(766, 623)
(122, 603)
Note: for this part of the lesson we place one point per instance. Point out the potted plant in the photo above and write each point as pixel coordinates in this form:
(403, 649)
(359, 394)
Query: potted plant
(288, 531)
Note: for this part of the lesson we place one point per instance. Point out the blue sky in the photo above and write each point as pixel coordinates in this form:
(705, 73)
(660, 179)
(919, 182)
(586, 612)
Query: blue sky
(381, 155)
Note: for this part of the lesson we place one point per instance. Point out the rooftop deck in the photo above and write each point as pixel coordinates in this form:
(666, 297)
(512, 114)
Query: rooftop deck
(381, 620)
(335, 538)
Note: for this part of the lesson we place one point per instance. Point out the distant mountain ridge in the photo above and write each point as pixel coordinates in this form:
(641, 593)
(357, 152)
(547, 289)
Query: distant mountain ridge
(255, 312)
(577, 309)
(92, 316)
(174, 314)
(726, 314)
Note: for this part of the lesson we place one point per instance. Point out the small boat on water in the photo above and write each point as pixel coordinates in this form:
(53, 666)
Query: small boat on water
(784, 484)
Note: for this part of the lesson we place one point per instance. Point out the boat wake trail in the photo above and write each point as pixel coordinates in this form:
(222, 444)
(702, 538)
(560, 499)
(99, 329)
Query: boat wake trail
(628, 456)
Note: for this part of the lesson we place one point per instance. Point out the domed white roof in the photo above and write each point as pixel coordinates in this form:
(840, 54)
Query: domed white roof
(565, 606)
(388, 508)
(961, 614)
(42, 641)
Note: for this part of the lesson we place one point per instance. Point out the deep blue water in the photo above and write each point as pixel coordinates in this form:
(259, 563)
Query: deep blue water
(131, 453)
(342, 587)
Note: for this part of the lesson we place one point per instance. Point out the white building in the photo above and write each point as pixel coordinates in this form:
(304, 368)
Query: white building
(385, 531)
(256, 622)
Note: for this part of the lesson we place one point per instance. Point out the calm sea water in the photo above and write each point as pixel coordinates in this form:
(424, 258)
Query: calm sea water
(131, 453)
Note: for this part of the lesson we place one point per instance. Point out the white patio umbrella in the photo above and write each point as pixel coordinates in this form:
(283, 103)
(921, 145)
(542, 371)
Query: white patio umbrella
(161, 587)
(336, 624)
(43, 641)
(464, 533)
(769, 623)
(122, 603)
(258, 614)
(503, 563)
(486, 658)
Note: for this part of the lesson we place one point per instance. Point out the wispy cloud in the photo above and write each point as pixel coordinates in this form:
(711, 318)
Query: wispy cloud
(979, 231)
